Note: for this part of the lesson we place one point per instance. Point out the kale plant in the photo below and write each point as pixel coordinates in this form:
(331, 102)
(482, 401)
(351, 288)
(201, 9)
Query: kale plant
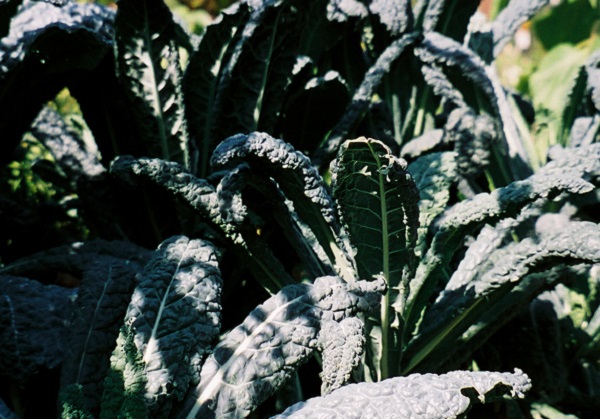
(389, 262)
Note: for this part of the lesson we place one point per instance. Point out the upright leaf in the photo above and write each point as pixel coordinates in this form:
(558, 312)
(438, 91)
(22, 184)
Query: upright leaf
(458, 306)
(104, 294)
(202, 78)
(173, 317)
(378, 204)
(568, 173)
(257, 357)
(448, 17)
(363, 96)
(149, 69)
(434, 174)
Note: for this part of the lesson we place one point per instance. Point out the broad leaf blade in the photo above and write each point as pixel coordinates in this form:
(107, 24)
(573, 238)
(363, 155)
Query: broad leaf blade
(427, 396)
(148, 66)
(104, 294)
(33, 326)
(258, 356)
(173, 317)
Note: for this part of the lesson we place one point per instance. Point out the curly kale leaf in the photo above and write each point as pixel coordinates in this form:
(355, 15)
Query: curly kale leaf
(104, 295)
(257, 357)
(172, 318)
(33, 326)
(424, 396)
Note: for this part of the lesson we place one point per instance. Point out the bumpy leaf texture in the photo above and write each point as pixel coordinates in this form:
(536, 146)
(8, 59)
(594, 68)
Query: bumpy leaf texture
(299, 181)
(46, 48)
(568, 173)
(33, 326)
(104, 295)
(427, 396)
(202, 196)
(395, 15)
(342, 346)
(363, 96)
(434, 174)
(172, 318)
(378, 203)
(258, 356)
(72, 154)
(148, 65)
(462, 311)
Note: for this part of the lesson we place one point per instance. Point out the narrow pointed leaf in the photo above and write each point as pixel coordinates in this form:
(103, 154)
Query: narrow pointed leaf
(173, 317)
(362, 97)
(202, 78)
(148, 66)
(258, 356)
(511, 18)
(568, 173)
(427, 396)
(456, 308)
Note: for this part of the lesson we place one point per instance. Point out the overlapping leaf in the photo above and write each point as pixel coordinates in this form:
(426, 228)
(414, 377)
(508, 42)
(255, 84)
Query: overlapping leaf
(299, 181)
(33, 326)
(172, 318)
(148, 66)
(257, 357)
(424, 396)
(104, 295)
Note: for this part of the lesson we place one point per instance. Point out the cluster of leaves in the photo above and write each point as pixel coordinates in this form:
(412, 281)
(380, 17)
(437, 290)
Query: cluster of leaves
(381, 258)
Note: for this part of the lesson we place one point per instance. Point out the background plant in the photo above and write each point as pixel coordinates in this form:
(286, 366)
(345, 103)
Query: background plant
(456, 235)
